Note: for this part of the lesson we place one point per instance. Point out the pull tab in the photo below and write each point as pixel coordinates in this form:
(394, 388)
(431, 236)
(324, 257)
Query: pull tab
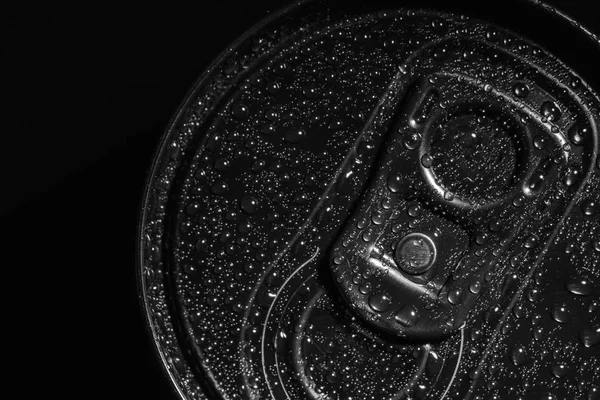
(467, 167)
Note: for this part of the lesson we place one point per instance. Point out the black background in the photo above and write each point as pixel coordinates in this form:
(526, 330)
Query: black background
(86, 95)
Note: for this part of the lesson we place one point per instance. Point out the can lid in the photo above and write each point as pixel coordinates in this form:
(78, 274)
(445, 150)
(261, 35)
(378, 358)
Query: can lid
(363, 202)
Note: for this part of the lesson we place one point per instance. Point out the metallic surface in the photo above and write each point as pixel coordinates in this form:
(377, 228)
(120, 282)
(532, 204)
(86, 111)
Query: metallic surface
(274, 218)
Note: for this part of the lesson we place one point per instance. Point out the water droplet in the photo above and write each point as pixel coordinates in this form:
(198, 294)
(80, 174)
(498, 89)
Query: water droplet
(219, 187)
(570, 178)
(271, 115)
(539, 142)
(521, 90)
(221, 164)
(559, 370)
(367, 236)
(480, 238)
(259, 165)
(475, 374)
(365, 288)
(245, 227)
(594, 305)
(440, 52)
(492, 35)
(518, 355)
(331, 377)
(311, 91)
(379, 302)
(267, 129)
(273, 87)
(570, 248)
(495, 226)
(590, 337)
(455, 296)
(412, 140)
(249, 204)
(377, 219)
(560, 313)
(295, 135)
(426, 161)
(449, 196)
(551, 111)
(190, 268)
(240, 111)
(580, 286)
(517, 201)
(192, 208)
(470, 55)
(578, 133)
(533, 295)
(393, 183)
(440, 26)
(475, 287)
(362, 223)
(408, 315)
(538, 333)
(532, 241)
(414, 41)
(589, 208)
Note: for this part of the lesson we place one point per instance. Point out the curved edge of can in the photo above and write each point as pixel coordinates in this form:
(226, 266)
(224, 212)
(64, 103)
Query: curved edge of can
(565, 16)
(151, 174)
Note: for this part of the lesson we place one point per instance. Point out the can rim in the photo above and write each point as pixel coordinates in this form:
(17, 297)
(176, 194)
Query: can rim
(151, 174)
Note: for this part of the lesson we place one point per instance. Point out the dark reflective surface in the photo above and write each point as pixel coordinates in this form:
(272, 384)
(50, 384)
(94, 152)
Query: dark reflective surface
(90, 96)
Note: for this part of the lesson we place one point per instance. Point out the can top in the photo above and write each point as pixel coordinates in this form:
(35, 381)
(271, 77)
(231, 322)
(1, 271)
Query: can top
(357, 201)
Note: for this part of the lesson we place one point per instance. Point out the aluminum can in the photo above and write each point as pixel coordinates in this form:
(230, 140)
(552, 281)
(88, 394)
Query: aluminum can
(382, 200)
